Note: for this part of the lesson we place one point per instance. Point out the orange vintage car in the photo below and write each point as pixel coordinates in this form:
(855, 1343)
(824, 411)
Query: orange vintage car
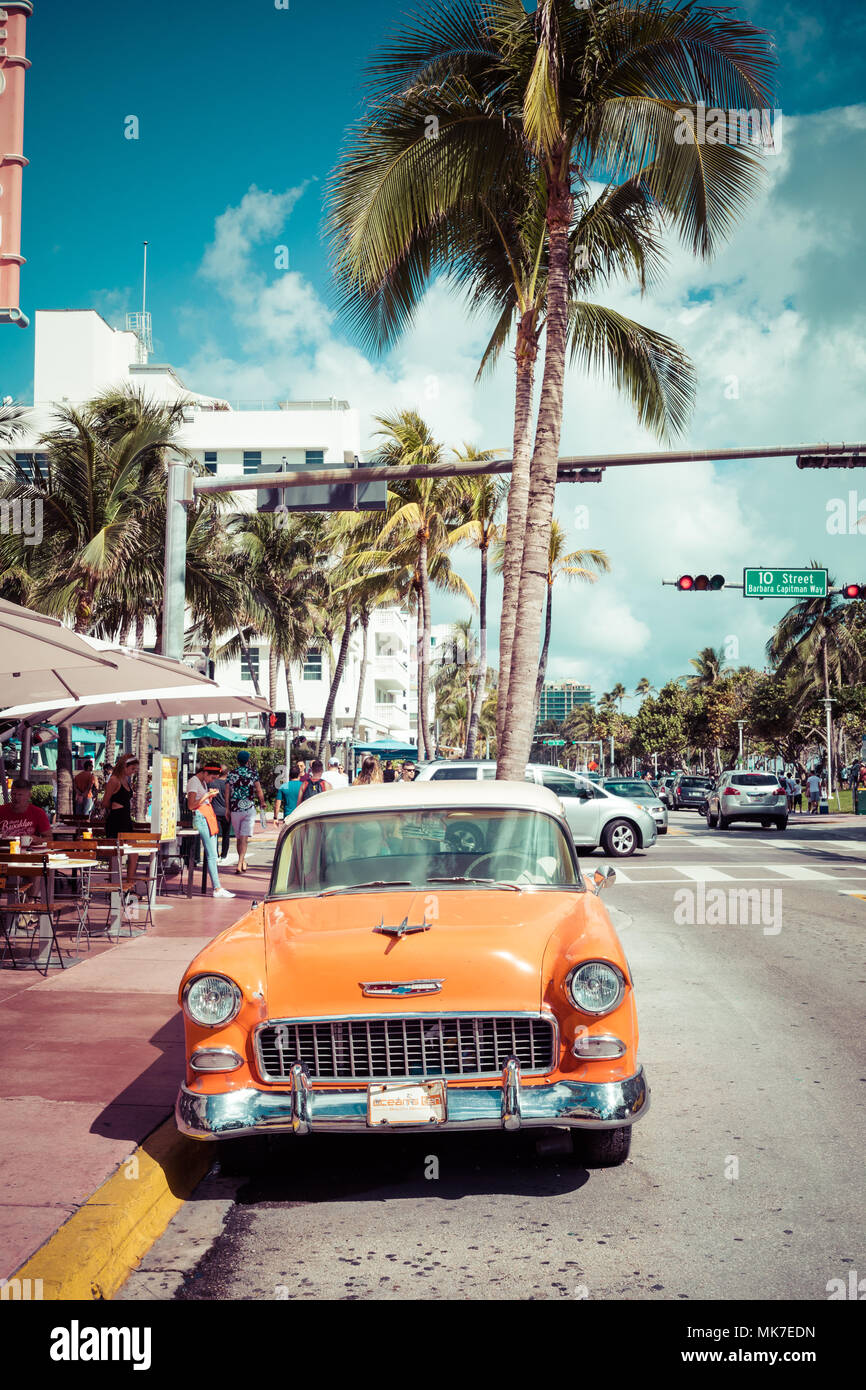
(428, 956)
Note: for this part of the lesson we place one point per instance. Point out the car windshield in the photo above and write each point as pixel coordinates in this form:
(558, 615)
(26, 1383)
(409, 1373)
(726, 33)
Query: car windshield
(695, 782)
(415, 848)
(642, 790)
(754, 779)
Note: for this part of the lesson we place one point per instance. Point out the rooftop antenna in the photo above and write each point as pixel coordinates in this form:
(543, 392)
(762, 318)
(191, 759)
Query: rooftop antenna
(140, 324)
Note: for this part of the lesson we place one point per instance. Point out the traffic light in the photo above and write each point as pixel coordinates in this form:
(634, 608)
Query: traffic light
(700, 583)
(854, 591)
(274, 720)
(849, 460)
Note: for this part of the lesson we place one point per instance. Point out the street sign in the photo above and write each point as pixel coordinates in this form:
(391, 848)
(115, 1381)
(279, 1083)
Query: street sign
(784, 583)
(554, 743)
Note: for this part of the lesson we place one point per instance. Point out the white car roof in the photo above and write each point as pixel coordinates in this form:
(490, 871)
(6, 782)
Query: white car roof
(453, 796)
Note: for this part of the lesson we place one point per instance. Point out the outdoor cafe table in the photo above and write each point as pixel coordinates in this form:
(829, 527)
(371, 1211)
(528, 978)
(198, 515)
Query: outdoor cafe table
(127, 849)
(20, 867)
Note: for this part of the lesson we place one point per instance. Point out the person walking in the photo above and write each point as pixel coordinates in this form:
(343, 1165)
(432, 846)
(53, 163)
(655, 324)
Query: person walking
(335, 776)
(797, 798)
(313, 784)
(371, 772)
(288, 793)
(85, 788)
(243, 785)
(200, 796)
(220, 805)
(813, 791)
(388, 772)
(407, 774)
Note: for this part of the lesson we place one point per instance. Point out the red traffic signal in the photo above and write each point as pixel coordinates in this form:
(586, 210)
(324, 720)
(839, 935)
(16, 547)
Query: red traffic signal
(701, 583)
(854, 591)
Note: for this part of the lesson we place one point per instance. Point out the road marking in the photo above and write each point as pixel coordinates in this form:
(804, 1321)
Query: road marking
(797, 871)
(621, 875)
(703, 872)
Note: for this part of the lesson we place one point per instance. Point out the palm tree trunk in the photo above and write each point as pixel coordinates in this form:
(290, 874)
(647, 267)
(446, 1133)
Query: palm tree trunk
(518, 501)
(542, 665)
(424, 667)
(419, 643)
(110, 751)
(252, 670)
(273, 674)
(481, 683)
(325, 742)
(517, 731)
(362, 678)
(290, 690)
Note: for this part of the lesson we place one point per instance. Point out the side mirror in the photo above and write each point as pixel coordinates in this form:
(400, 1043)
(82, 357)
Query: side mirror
(600, 879)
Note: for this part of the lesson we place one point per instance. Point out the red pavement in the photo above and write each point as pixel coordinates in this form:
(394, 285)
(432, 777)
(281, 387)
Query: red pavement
(92, 1058)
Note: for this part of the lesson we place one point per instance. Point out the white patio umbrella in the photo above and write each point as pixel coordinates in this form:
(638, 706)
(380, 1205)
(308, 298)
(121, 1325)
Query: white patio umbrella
(203, 699)
(46, 663)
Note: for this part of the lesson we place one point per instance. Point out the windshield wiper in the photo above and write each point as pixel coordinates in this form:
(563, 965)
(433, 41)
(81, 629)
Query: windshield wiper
(376, 883)
(491, 882)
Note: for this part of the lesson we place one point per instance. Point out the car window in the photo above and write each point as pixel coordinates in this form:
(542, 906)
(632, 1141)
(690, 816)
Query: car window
(695, 782)
(754, 779)
(638, 789)
(562, 786)
(415, 847)
(488, 774)
(454, 774)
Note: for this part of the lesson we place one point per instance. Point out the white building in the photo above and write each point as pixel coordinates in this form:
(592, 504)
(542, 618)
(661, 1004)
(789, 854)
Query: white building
(78, 354)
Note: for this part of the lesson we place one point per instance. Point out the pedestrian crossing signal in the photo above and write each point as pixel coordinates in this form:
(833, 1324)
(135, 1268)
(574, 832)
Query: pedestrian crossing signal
(274, 720)
(701, 583)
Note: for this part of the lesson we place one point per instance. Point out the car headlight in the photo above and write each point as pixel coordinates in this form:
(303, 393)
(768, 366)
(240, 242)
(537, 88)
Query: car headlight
(211, 1000)
(595, 987)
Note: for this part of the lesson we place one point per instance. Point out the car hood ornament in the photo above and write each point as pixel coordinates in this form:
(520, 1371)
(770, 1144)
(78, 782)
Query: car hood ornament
(404, 928)
(377, 989)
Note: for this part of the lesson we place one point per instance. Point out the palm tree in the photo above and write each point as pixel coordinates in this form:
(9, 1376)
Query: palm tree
(709, 665)
(482, 498)
(619, 694)
(643, 686)
(418, 531)
(570, 90)
(494, 246)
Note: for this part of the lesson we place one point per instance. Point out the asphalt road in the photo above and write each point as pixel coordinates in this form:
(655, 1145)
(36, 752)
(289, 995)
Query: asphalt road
(745, 1178)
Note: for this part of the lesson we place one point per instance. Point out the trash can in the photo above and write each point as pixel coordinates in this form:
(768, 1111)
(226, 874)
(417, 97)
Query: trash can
(823, 808)
(861, 803)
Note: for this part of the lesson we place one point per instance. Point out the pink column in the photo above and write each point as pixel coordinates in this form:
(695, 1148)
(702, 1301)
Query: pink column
(13, 66)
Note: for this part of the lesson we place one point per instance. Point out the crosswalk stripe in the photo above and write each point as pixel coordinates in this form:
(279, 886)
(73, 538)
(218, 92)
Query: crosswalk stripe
(701, 873)
(622, 876)
(797, 871)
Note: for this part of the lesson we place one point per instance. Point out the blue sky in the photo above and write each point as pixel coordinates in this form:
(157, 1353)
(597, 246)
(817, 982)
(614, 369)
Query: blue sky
(242, 110)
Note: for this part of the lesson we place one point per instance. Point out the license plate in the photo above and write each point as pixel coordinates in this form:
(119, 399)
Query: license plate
(409, 1103)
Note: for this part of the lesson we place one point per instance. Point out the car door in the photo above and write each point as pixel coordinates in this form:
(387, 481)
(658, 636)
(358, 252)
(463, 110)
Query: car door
(582, 804)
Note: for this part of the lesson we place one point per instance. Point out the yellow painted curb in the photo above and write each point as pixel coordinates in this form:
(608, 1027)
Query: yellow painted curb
(92, 1254)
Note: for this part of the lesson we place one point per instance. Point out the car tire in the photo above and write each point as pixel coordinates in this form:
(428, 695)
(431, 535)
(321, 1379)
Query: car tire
(781, 823)
(662, 829)
(619, 839)
(723, 822)
(712, 821)
(601, 1148)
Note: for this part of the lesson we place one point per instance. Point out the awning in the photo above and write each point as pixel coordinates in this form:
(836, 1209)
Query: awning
(216, 733)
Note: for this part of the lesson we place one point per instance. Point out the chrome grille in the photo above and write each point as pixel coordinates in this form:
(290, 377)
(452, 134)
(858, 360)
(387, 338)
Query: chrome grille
(372, 1049)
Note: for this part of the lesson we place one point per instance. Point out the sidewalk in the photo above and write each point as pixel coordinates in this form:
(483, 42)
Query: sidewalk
(92, 1058)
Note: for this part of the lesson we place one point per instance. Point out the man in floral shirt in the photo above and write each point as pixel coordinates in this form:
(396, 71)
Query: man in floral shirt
(243, 784)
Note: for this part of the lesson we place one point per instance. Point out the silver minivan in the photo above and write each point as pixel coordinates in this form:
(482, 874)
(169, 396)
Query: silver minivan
(595, 816)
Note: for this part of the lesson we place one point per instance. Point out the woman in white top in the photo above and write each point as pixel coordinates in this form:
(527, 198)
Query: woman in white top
(198, 799)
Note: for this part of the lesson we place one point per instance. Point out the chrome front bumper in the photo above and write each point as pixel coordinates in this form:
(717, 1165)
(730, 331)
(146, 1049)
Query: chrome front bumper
(503, 1105)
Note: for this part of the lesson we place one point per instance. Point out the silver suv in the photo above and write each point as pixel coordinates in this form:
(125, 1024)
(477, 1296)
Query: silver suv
(594, 815)
(747, 796)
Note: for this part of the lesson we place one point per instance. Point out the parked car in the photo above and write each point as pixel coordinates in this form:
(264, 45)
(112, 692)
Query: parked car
(665, 785)
(689, 793)
(748, 796)
(394, 979)
(596, 817)
(634, 789)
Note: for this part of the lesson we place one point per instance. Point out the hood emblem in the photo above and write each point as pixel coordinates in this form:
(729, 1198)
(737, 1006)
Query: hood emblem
(376, 989)
(404, 928)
